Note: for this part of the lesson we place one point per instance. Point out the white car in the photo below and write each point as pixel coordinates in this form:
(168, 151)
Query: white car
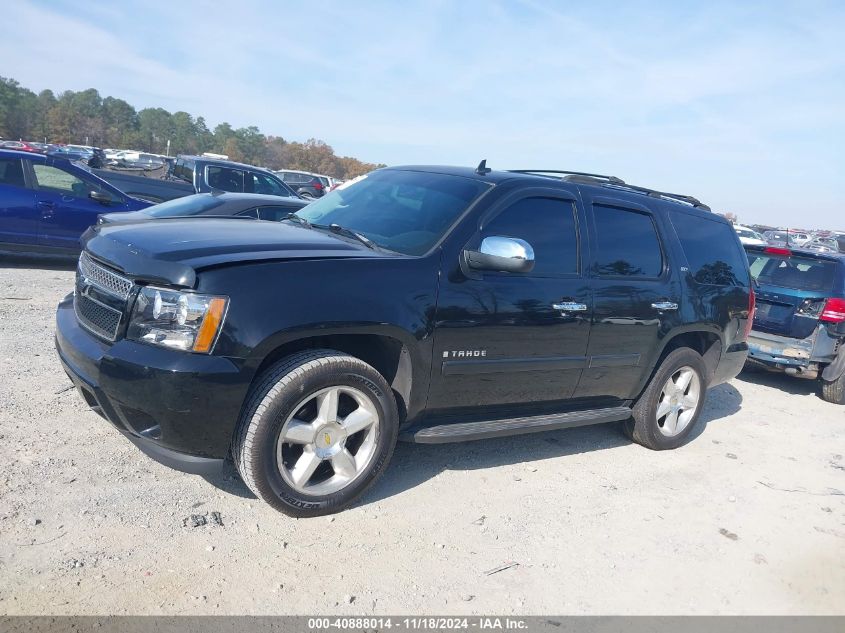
(749, 236)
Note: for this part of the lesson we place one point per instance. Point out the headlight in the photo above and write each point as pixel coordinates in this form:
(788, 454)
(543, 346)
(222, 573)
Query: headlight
(179, 320)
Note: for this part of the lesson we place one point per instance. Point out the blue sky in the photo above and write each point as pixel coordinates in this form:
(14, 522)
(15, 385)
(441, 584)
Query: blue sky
(741, 104)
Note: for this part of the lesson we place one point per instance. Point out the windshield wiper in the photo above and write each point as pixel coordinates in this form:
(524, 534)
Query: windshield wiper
(342, 230)
(298, 219)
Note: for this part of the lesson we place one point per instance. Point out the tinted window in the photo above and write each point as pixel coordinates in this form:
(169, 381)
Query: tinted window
(187, 205)
(548, 225)
(801, 273)
(403, 211)
(225, 179)
(627, 243)
(11, 172)
(262, 183)
(712, 251)
(250, 213)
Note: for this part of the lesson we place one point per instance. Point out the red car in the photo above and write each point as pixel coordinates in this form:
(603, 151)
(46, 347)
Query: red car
(23, 146)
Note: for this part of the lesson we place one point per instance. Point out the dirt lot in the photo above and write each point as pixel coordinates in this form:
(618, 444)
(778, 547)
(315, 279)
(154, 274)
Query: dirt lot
(749, 517)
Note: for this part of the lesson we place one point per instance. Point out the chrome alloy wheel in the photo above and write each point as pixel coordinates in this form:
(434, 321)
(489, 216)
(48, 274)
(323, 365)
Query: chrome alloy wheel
(328, 440)
(679, 400)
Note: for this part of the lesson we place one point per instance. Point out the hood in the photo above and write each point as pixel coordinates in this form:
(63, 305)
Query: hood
(172, 250)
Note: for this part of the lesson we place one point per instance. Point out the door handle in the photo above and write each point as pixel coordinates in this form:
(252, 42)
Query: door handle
(569, 306)
(664, 306)
(46, 208)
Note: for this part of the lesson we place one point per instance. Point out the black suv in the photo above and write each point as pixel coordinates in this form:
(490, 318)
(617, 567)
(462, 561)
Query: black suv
(305, 184)
(799, 325)
(434, 304)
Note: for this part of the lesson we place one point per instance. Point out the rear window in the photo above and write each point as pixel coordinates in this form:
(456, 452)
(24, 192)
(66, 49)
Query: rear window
(797, 272)
(181, 207)
(713, 253)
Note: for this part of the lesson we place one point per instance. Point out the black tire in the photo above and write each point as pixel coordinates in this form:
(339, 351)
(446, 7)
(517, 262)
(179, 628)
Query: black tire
(834, 390)
(643, 427)
(270, 403)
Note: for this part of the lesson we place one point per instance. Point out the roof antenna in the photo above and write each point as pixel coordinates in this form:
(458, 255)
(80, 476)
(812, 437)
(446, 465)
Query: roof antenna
(482, 168)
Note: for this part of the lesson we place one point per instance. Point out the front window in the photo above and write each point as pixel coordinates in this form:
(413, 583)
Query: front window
(402, 211)
(60, 181)
(262, 183)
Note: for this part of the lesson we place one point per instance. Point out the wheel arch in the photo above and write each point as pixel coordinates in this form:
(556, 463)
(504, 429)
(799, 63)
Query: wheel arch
(707, 342)
(394, 355)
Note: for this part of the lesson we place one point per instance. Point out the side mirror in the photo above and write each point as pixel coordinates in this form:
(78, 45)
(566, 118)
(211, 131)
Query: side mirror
(99, 196)
(503, 254)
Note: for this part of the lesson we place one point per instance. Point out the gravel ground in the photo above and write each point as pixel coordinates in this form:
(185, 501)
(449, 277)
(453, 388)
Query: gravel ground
(748, 518)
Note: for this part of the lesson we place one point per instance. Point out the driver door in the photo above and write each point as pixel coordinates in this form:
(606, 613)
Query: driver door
(64, 207)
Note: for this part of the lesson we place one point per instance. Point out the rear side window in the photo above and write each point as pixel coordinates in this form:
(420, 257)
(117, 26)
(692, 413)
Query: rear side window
(627, 243)
(11, 172)
(714, 256)
(799, 273)
(225, 179)
(548, 225)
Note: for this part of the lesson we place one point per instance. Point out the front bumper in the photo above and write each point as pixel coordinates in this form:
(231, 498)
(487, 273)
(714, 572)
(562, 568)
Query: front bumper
(179, 408)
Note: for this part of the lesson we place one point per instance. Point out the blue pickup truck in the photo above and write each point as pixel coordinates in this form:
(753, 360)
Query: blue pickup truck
(47, 202)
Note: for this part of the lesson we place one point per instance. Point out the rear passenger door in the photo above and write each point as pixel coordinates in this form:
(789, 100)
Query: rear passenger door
(18, 216)
(635, 297)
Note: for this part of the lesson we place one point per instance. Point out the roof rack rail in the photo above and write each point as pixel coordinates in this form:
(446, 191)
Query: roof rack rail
(612, 179)
(588, 178)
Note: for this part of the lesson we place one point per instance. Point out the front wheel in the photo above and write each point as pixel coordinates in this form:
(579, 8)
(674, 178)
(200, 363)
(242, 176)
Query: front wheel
(669, 408)
(317, 430)
(834, 390)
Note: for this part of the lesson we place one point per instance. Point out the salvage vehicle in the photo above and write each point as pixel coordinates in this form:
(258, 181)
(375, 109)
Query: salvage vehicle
(799, 325)
(247, 205)
(198, 174)
(435, 304)
(46, 203)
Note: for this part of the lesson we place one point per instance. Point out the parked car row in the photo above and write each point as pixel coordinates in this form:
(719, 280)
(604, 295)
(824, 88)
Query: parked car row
(820, 241)
(48, 201)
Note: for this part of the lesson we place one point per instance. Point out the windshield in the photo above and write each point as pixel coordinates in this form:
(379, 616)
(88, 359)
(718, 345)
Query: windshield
(402, 211)
(188, 205)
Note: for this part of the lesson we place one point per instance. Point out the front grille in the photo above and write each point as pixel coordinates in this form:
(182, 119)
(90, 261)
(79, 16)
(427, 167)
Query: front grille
(103, 278)
(97, 317)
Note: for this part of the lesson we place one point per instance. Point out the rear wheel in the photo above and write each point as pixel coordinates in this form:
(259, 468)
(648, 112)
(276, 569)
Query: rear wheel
(834, 390)
(317, 430)
(669, 408)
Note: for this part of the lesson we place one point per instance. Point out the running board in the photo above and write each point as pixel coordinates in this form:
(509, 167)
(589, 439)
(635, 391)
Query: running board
(467, 431)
